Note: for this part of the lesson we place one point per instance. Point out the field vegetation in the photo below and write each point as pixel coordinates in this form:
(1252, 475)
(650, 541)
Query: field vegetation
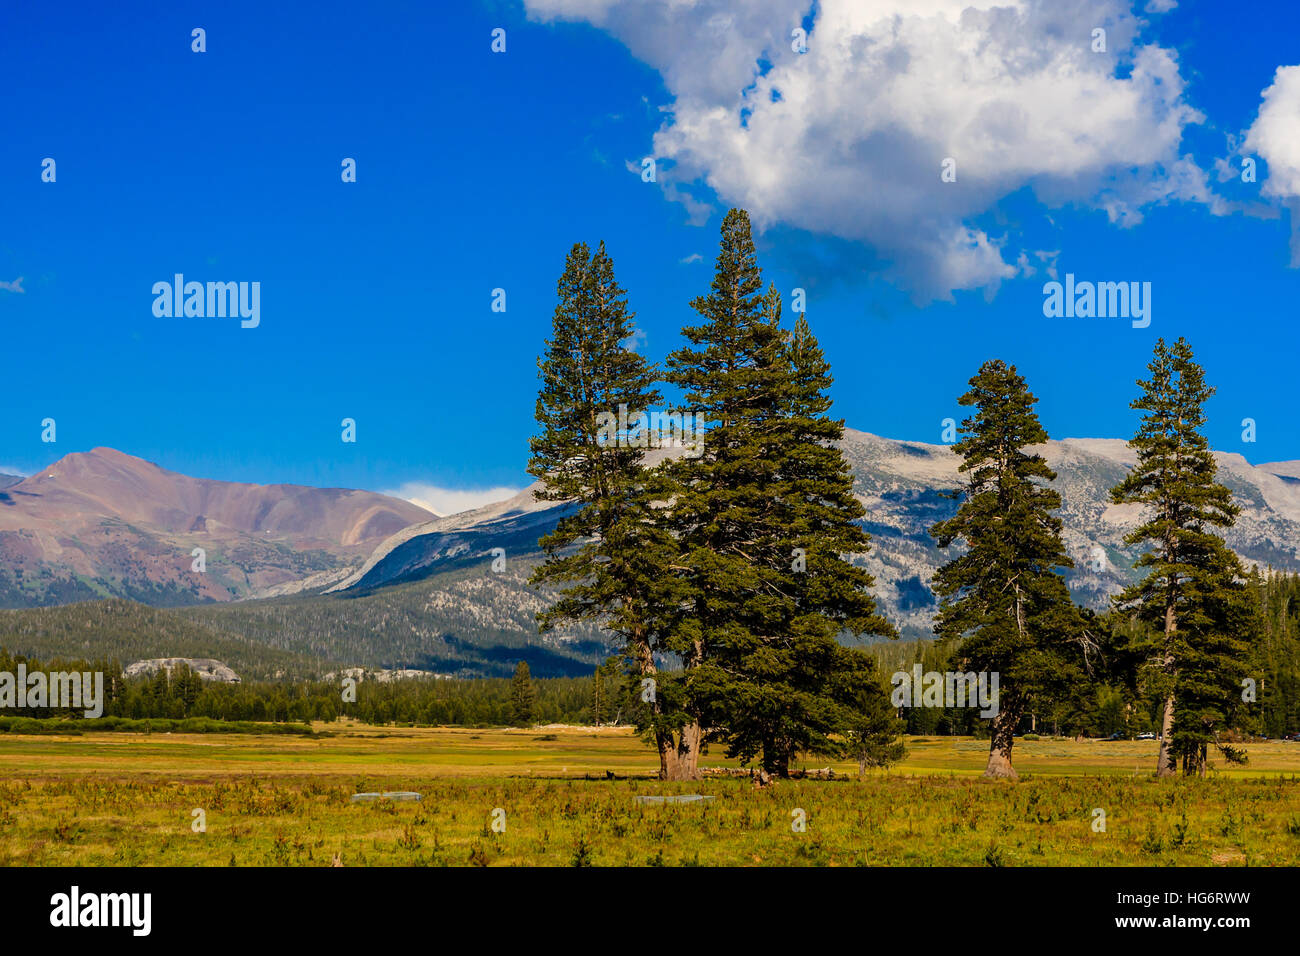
(569, 798)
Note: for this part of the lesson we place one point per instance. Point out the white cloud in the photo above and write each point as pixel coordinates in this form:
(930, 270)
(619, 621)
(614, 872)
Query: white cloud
(847, 139)
(449, 501)
(1160, 6)
(15, 286)
(1275, 135)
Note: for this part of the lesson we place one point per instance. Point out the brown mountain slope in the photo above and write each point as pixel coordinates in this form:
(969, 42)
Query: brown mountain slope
(103, 523)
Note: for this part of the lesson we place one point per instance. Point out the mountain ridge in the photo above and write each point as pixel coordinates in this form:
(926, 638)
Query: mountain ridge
(431, 592)
(903, 486)
(103, 523)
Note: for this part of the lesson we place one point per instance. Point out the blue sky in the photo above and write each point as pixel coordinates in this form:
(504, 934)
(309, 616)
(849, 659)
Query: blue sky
(477, 170)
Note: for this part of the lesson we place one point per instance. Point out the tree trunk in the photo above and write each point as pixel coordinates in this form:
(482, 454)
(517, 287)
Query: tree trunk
(679, 760)
(1004, 730)
(1166, 763)
(663, 739)
(686, 764)
(667, 755)
(686, 756)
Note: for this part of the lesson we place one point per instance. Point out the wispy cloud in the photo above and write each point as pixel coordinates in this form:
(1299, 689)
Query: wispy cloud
(634, 341)
(15, 286)
(693, 257)
(449, 501)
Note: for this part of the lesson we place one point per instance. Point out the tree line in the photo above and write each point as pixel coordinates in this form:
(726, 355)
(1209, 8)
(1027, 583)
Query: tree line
(179, 693)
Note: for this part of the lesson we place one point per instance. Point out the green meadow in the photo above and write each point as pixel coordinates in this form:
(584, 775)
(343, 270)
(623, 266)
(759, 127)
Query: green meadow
(567, 797)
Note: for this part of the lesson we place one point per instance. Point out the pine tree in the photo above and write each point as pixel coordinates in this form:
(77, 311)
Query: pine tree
(607, 553)
(523, 699)
(1276, 655)
(763, 518)
(872, 727)
(1003, 597)
(727, 374)
(1194, 591)
(188, 686)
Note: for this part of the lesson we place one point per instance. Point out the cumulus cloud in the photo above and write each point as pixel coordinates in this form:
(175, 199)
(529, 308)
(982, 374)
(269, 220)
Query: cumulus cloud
(848, 139)
(449, 501)
(1275, 136)
(15, 286)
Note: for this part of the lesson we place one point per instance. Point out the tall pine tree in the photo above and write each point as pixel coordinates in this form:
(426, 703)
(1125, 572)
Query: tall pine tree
(763, 519)
(727, 374)
(523, 698)
(1194, 590)
(606, 554)
(1003, 598)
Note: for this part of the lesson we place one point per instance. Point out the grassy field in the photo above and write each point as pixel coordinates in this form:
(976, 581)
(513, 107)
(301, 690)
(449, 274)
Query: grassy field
(129, 800)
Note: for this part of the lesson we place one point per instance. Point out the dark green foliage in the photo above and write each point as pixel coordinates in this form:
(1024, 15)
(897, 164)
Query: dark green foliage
(148, 725)
(426, 701)
(1194, 590)
(607, 555)
(871, 728)
(1275, 654)
(1120, 696)
(1003, 599)
(763, 519)
(596, 551)
(523, 699)
(612, 693)
(130, 632)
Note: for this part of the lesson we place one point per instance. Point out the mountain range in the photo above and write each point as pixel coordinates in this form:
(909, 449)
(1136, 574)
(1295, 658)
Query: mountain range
(101, 524)
(354, 577)
(905, 488)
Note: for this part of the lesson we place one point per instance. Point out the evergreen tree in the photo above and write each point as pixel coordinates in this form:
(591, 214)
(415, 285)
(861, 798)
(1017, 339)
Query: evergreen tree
(1003, 596)
(607, 553)
(728, 374)
(763, 518)
(1276, 655)
(608, 692)
(1194, 591)
(523, 699)
(872, 728)
(187, 685)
